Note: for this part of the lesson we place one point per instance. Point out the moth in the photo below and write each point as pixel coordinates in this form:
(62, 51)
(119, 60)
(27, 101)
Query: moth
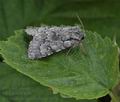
(48, 40)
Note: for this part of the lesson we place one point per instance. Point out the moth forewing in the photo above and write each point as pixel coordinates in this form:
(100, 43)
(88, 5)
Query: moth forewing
(48, 40)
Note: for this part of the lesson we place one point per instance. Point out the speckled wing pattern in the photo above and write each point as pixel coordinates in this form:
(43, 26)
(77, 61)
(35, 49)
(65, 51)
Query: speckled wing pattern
(50, 39)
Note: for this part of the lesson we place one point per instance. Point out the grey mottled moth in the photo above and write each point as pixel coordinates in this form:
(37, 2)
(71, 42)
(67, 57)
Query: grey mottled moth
(50, 39)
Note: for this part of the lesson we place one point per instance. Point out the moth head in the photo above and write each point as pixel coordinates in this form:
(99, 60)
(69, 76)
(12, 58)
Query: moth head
(74, 33)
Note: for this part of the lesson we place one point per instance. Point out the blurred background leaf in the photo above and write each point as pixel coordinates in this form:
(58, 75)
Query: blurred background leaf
(101, 16)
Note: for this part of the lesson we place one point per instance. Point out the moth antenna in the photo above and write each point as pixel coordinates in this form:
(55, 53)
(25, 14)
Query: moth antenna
(82, 27)
(80, 21)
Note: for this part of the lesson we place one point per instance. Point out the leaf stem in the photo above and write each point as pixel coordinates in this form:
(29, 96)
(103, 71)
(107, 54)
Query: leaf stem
(114, 97)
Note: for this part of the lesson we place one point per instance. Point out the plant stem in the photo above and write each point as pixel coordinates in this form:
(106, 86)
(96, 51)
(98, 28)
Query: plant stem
(114, 98)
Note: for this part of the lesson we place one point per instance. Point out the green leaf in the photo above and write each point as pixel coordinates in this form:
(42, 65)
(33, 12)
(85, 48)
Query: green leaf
(15, 87)
(19, 13)
(87, 72)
